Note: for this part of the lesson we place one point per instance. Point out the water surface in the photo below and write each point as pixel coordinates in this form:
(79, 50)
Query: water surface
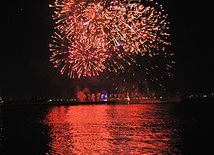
(176, 128)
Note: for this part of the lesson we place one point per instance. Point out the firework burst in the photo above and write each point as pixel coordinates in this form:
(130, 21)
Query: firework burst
(83, 58)
(96, 35)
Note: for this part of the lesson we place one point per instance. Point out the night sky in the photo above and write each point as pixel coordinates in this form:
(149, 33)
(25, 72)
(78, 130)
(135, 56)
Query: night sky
(26, 31)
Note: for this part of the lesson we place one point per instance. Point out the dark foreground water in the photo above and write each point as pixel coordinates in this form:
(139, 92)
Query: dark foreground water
(177, 128)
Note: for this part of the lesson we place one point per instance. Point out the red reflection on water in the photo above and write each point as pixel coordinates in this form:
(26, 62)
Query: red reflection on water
(109, 129)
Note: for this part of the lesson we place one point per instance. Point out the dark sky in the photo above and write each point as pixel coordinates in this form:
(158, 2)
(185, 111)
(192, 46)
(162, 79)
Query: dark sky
(27, 27)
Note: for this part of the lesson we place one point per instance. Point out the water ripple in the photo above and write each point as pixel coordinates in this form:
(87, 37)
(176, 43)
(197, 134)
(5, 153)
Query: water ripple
(112, 129)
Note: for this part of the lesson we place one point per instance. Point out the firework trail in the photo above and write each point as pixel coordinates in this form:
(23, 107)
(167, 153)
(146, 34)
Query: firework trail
(154, 70)
(92, 36)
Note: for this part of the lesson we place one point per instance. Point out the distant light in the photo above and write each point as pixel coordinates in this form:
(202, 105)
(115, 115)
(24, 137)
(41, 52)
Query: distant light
(1, 101)
(50, 100)
(204, 95)
(102, 95)
(161, 97)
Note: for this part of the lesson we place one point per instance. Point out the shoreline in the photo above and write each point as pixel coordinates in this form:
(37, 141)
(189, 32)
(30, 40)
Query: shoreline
(108, 102)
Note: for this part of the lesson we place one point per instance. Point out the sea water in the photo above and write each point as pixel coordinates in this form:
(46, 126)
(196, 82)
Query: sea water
(169, 128)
